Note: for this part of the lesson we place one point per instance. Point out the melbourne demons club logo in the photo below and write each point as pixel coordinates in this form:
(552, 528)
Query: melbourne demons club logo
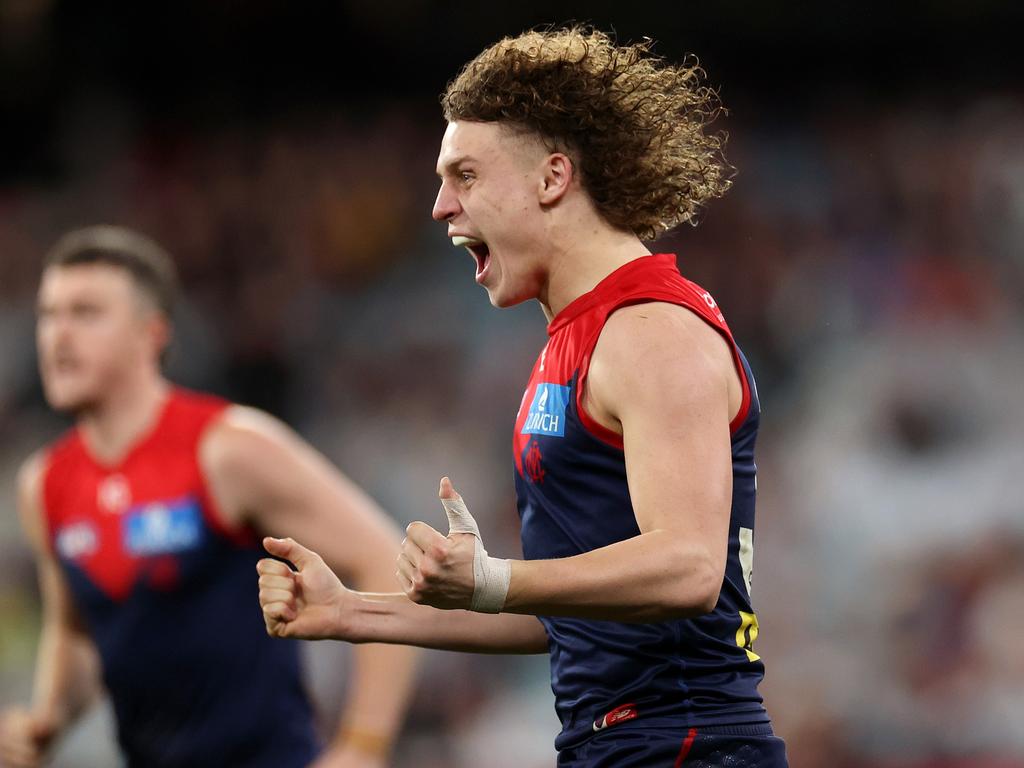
(114, 495)
(532, 464)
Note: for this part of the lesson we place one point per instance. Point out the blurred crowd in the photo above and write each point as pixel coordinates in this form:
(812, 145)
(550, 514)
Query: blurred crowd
(870, 260)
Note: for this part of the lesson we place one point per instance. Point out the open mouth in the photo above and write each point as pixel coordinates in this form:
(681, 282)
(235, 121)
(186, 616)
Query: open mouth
(64, 365)
(478, 248)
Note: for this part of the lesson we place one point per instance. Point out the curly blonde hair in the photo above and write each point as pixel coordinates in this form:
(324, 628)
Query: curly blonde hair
(635, 126)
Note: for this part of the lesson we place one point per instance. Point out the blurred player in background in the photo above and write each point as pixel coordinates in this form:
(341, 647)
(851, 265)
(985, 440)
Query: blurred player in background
(145, 519)
(634, 441)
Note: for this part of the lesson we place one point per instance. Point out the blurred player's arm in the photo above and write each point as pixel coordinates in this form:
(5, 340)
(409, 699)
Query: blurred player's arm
(67, 678)
(667, 381)
(311, 602)
(265, 476)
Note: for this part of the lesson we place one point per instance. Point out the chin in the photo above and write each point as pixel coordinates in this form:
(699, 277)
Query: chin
(504, 299)
(68, 400)
(504, 302)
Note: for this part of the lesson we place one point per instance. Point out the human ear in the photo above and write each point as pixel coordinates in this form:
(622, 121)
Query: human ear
(558, 173)
(160, 332)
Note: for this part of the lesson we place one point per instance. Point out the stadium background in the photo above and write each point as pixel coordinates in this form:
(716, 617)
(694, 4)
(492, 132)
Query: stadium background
(870, 260)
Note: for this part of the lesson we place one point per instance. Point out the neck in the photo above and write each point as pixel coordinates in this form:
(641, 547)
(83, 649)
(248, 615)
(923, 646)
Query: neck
(113, 425)
(583, 258)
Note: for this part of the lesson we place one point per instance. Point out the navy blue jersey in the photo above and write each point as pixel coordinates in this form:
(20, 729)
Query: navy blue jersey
(169, 595)
(573, 497)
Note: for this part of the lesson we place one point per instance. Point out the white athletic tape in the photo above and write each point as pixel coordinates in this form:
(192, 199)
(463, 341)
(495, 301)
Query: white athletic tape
(491, 575)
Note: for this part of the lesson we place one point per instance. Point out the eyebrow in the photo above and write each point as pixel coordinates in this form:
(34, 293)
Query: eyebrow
(455, 162)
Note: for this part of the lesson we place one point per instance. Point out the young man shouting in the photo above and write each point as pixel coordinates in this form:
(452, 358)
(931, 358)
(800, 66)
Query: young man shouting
(633, 446)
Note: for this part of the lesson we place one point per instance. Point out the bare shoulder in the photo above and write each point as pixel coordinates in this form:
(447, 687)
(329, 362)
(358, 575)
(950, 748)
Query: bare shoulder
(241, 420)
(261, 473)
(656, 327)
(254, 464)
(243, 439)
(660, 349)
(30, 473)
(29, 484)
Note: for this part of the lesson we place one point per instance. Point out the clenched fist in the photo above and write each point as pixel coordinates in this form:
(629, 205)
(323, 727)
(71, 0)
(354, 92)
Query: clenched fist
(452, 571)
(307, 603)
(25, 738)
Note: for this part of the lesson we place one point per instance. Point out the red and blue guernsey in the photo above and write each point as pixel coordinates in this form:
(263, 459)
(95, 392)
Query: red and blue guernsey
(168, 593)
(573, 498)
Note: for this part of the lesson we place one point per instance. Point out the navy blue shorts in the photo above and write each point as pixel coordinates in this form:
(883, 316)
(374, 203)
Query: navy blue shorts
(735, 746)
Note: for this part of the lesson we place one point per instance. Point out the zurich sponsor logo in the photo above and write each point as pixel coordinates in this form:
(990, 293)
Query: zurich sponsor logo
(547, 411)
(163, 527)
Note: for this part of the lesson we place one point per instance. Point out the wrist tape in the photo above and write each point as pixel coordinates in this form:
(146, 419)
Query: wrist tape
(491, 575)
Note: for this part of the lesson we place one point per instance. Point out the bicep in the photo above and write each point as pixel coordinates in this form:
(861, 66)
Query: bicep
(266, 476)
(58, 606)
(678, 462)
(349, 530)
(664, 375)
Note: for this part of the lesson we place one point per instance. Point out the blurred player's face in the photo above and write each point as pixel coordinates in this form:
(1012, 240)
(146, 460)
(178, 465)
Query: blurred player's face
(94, 330)
(491, 177)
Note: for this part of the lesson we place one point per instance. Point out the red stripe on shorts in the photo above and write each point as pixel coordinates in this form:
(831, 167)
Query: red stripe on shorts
(687, 745)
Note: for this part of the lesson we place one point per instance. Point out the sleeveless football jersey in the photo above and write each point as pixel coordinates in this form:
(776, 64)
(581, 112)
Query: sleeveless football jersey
(573, 498)
(169, 595)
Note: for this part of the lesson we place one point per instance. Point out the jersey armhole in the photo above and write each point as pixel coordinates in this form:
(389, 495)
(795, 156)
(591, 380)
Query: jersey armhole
(594, 427)
(745, 401)
(241, 535)
(46, 527)
(613, 438)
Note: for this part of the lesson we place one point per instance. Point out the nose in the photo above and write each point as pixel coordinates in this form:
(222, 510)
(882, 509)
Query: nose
(52, 331)
(446, 206)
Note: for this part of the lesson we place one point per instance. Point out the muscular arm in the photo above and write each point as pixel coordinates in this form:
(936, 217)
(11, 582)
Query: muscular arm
(67, 676)
(310, 602)
(399, 620)
(263, 475)
(666, 381)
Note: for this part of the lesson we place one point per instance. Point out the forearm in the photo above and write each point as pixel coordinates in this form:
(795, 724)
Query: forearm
(393, 618)
(67, 675)
(381, 685)
(656, 576)
(383, 676)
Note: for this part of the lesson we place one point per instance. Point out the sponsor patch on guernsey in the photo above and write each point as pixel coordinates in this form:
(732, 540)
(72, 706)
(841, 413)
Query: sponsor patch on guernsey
(162, 527)
(547, 411)
(77, 540)
(618, 715)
